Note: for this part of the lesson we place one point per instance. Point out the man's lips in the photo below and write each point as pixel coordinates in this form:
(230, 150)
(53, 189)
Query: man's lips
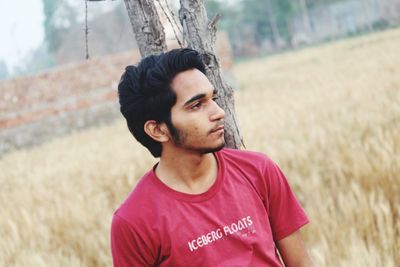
(218, 129)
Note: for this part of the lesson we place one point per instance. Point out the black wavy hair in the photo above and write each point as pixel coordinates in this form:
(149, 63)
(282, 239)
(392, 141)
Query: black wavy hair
(145, 93)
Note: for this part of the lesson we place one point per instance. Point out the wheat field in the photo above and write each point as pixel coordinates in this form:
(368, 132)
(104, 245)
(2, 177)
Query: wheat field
(329, 115)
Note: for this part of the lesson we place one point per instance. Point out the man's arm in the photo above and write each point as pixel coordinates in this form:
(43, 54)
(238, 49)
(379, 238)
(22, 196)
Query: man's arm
(129, 246)
(293, 251)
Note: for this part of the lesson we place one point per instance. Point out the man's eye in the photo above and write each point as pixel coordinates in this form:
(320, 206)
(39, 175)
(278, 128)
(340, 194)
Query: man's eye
(196, 106)
(215, 98)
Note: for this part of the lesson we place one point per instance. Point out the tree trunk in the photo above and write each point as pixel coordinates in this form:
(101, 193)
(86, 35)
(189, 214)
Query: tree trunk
(200, 34)
(146, 24)
(367, 14)
(306, 17)
(272, 24)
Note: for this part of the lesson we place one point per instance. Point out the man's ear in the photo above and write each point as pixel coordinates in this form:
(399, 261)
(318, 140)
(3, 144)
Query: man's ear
(157, 131)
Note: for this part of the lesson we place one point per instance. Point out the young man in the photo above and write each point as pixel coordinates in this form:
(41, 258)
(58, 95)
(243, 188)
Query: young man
(201, 205)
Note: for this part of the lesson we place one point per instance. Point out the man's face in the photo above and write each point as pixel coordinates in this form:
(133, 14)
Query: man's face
(196, 118)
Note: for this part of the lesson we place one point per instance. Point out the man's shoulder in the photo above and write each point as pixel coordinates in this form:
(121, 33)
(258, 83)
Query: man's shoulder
(138, 203)
(242, 152)
(245, 156)
(252, 164)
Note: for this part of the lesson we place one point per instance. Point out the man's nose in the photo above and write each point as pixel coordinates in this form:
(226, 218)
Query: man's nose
(218, 112)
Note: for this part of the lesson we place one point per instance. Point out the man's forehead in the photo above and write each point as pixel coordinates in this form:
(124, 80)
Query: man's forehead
(190, 83)
(188, 77)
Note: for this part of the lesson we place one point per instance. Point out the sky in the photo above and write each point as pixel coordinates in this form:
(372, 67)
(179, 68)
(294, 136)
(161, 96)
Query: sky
(21, 26)
(21, 29)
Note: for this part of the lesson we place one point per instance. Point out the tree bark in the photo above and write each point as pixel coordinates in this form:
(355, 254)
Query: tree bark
(200, 34)
(147, 27)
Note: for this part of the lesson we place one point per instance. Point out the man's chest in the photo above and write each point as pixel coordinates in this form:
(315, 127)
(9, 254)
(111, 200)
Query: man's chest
(230, 229)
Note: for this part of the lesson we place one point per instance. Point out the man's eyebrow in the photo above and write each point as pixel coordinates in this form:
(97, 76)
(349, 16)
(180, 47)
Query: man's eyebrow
(194, 98)
(197, 97)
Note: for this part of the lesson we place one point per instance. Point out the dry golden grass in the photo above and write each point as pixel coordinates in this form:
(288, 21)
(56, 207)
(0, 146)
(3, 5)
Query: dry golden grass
(330, 116)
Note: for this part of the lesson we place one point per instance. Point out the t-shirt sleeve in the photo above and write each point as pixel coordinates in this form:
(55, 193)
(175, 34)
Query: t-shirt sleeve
(128, 246)
(284, 210)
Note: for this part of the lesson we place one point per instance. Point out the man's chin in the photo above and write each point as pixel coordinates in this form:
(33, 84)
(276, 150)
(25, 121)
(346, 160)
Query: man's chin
(213, 149)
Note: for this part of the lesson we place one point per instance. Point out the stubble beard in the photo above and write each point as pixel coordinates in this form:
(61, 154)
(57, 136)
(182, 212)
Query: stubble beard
(179, 139)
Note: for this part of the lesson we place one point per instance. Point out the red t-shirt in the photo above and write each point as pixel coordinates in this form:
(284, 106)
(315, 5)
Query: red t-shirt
(235, 223)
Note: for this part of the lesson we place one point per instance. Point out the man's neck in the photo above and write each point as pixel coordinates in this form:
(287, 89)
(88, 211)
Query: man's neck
(187, 172)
